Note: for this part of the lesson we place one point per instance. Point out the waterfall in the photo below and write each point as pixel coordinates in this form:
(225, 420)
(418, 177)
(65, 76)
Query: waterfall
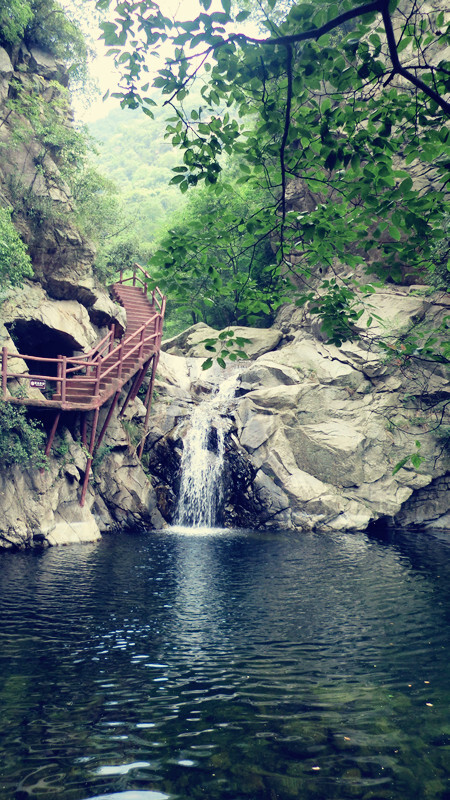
(202, 462)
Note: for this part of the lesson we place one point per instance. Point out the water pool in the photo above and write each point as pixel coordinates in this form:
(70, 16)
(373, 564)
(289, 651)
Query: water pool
(229, 666)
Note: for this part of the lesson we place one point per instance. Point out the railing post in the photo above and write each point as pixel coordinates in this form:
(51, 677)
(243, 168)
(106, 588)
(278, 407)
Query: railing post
(147, 403)
(98, 369)
(4, 371)
(64, 378)
(134, 277)
(119, 370)
(141, 343)
(120, 276)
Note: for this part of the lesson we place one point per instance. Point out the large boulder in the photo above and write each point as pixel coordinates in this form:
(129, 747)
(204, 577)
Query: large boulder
(190, 343)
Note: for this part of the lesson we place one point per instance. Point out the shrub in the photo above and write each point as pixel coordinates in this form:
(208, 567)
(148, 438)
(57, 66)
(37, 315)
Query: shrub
(15, 263)
(22, 440)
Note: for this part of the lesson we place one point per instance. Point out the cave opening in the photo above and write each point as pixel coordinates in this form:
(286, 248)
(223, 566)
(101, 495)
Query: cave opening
(34, 338)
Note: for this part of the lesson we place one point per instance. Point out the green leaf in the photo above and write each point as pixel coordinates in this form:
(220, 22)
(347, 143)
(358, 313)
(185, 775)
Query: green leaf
(400, 464)
(207, 364)
(395, 233)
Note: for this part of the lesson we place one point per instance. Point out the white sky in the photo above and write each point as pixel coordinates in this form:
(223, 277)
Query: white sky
(102, 68)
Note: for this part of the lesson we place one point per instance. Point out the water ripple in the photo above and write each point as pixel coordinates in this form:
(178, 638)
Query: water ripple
(233, 666)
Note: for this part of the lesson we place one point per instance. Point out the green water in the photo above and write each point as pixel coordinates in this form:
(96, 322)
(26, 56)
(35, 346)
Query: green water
(230, 666)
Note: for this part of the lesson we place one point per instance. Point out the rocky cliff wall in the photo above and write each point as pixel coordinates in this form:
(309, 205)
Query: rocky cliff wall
(62, 309)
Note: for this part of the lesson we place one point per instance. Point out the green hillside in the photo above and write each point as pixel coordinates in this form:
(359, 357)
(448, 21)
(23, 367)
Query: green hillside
(134, 154)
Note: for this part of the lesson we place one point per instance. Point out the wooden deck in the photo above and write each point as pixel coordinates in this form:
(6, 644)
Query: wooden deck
(85, 383)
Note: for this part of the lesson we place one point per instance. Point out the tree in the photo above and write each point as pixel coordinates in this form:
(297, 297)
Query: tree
(347, 101)
(213, 266)
(347, 113)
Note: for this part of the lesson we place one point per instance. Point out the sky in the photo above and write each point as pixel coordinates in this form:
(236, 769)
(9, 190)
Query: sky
(102, 68)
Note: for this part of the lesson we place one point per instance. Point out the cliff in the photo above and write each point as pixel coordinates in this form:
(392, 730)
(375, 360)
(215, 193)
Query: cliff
(62, 309)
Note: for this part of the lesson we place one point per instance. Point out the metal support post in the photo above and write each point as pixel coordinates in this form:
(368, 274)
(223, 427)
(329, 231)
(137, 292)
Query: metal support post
(148, 402)
(107, 420)
(51, 435)
(89, 460)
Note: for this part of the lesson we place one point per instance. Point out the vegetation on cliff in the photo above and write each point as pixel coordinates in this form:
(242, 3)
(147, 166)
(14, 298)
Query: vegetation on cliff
(44, 24)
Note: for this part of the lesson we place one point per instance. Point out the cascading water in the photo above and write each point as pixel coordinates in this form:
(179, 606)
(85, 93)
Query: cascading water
(202, 462)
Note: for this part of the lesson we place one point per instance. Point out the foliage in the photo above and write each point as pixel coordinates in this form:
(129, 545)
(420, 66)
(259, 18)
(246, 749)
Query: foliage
(340, 309)
(142, 172)
(344, 112)
(15, 263)
(100, 454)
(102, 218)
(15, 15)
(133, 431)
(210, 263)
(21, 439)
(415, 459)
(225, 345)
(117, 255)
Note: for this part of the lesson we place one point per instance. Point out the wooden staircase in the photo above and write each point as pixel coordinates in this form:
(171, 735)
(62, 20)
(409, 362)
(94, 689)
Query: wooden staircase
(111, 370)
(85, 383)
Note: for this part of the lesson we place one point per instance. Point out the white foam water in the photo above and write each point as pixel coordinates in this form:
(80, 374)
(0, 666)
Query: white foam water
(202, 463)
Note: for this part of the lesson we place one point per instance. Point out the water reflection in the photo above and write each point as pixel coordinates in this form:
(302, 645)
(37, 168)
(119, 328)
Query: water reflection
(238, 666)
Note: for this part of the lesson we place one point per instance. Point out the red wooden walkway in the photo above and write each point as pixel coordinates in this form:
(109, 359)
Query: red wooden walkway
(87, 382)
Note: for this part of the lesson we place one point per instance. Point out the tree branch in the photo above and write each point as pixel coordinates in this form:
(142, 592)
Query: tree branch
(316, 33)
(287, 122)
(399, 70)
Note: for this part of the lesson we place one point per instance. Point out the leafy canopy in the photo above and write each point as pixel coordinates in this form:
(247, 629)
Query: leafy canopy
(343, 99)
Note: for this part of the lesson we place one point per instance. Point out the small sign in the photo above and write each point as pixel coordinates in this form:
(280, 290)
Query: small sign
(38, 384)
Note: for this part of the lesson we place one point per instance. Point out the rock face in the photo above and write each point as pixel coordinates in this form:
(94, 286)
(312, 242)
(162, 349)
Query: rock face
(32, 174)
(316, 430)
(63, 310)
(41, 507)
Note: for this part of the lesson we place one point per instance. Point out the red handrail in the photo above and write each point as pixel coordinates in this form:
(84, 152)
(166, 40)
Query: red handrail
(90, 367)
(135, 278)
